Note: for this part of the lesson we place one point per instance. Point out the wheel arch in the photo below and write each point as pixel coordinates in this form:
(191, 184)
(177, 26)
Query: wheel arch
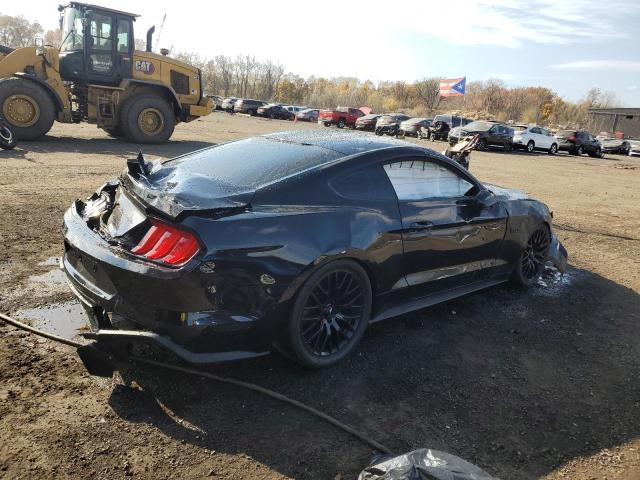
(146, 86)
(292, 290)
(55, 97)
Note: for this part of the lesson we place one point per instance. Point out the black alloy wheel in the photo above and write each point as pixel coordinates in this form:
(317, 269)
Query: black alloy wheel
(330, 314)
(533, 257)
(482, 144)
(580, 150)
(341, 123)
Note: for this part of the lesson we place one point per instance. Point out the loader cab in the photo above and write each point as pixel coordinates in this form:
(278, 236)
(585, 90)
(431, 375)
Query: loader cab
(97, 44)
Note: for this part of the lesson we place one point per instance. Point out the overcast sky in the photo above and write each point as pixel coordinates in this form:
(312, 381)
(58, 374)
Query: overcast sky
(568, 46)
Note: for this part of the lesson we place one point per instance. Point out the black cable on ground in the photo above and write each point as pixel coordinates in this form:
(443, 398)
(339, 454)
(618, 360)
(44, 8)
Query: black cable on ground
(211, 376)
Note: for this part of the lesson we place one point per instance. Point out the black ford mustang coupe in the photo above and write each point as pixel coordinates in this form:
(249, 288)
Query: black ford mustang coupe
(296, 240)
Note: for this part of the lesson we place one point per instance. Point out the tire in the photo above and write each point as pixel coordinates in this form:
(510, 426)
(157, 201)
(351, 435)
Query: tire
(326, 124)
(531, 146)
(159, 111)
(8, 139)
(530, 264)
(378, 132)
(321, 331)
(26, 107)
(597, 153)
(432, 137)
(579, 150)
(482, 144)
(272, 116)
(553, 149)
(251, 112)
(340, 123)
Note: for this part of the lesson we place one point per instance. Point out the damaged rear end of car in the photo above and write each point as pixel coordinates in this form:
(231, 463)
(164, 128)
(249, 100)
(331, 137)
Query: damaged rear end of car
(148, 256)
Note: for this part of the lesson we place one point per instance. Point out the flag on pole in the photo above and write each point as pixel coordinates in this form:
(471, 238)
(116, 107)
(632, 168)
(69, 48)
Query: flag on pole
(452, 87)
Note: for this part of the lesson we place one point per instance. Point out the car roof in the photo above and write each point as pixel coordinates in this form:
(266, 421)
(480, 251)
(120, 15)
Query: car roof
(346, 143)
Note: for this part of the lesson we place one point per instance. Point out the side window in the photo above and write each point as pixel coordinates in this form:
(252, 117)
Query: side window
(419, 180)
(367, 183)
(455, 121)
(124, 26)
(100, 31)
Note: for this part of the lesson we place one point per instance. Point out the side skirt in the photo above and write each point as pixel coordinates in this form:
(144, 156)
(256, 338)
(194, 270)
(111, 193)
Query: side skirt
(422, 302)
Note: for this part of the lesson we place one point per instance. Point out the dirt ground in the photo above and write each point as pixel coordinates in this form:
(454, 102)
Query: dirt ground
(542, 384)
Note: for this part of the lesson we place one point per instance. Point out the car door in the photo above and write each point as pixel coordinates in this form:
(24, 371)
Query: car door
(450, 237)
(494, 136)
(543, 140)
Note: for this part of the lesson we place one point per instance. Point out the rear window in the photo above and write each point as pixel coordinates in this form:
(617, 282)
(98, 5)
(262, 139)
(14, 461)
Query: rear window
(253, 162)
(480, 126)
(566, 133)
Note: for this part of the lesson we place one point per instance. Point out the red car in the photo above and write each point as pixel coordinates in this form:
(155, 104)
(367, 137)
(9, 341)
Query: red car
(340, 117)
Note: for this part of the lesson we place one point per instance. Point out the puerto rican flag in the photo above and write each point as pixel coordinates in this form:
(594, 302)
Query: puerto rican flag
(452, 87)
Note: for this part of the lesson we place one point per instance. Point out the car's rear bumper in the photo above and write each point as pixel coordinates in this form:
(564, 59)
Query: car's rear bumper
(196, 314)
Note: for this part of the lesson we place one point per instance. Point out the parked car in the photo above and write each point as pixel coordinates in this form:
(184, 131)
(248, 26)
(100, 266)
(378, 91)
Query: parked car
(220, 253)
(308, 115)
(532, 138)
(368, 122)
(440, 127)
(228, 103)
(275, 110)
(217, 101)
(577, 142)
(248, 105)
(615, 145)
(294, 108)
(491, 134)
(389, 123)
(340, 117)
(634, 148)
(412, 126)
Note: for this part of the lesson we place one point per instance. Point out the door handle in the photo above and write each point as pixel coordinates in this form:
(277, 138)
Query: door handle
(419, 226)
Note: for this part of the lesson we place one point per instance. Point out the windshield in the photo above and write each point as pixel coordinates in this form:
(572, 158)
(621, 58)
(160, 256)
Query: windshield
(442, 118)
(71, 30)
(479, 126)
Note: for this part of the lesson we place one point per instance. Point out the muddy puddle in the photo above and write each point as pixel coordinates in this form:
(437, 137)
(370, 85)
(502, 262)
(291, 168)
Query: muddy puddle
(64, 319)
(55, 276)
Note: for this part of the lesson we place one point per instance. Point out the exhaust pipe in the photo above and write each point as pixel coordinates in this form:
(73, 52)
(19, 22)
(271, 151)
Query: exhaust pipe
(150, 38)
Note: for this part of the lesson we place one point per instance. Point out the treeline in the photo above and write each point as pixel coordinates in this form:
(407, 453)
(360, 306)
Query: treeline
(245, 76)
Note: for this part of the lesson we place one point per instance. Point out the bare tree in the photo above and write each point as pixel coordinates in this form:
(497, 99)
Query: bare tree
(16, 32)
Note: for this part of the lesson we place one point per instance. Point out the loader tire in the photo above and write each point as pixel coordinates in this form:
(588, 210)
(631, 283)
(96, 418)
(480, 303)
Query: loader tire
(147, 119)
(27, 107)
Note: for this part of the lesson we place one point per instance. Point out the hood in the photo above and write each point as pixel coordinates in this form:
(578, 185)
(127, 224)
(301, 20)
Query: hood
(506, 193)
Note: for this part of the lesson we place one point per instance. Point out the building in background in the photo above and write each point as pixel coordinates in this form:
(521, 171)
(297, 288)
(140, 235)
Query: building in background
(626, 121)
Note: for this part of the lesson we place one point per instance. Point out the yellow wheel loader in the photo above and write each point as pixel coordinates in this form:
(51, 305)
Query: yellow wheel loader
(98, 77)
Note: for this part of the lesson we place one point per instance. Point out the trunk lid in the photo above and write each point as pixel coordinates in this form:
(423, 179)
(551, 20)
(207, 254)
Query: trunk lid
(175, 191)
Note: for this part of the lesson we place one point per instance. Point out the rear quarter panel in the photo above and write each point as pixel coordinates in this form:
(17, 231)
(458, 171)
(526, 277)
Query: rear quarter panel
(297, 225)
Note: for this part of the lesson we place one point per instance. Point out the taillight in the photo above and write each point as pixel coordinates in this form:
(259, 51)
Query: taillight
(572, 139)
(166, 244)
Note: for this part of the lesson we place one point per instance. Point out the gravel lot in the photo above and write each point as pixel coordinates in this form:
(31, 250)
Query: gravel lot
(543, 384)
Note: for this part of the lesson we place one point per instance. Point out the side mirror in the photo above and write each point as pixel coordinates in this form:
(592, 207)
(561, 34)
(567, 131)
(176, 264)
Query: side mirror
(485, 198)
